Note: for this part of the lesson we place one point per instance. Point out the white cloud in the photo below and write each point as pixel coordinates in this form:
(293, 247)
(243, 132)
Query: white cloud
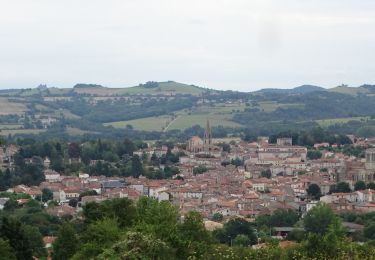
(227, 44)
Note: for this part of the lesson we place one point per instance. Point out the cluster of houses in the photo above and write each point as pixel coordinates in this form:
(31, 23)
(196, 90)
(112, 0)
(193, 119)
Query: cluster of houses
(231, 190)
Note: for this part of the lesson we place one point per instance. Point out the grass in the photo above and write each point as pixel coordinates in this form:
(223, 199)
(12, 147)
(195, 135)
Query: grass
(156, 123)
(333, 121)
(219, 114)
(77, 132)
(349, 90)
(21, 131)
(10, 126)
(269, 106)
(10, 108)
(169, 87)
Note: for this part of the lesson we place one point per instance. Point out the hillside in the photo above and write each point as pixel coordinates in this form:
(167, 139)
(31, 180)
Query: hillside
(159, 108)
(297, 90)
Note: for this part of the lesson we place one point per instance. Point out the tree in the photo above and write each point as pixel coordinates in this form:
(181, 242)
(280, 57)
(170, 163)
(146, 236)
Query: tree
(74, 150)
(266, 174)
(369, 231)
(318, 219)
(66, 243)
(137, 168)
(73, 202)
(12, 231)
(35, 240)
(7, 253)
(314, 154)
(47, 195)
(314, 191)
(217, 217)
(371, 185)
(194, 234)
(137, 245)
(343, 187)
(233, 228)
(99, 235)
(241, 240)
(359, 185)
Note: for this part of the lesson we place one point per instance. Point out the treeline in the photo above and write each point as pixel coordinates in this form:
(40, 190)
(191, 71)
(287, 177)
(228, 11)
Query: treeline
(121, 229)
(97, 157)
(120, 110)
(312, 136)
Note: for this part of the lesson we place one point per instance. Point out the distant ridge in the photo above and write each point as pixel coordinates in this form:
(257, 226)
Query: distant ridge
(297, 90)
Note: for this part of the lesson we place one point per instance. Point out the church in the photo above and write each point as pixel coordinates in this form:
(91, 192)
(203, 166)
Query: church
(197, 145)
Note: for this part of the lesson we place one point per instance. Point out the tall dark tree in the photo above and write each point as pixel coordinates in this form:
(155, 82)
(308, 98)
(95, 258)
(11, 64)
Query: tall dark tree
(12, 231)
(314, 191)
(74, 150)
(137, 168)
(66, 243)
(360, 185)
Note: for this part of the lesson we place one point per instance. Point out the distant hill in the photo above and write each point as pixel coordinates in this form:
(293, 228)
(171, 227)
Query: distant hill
(297, 90)
(344, 89)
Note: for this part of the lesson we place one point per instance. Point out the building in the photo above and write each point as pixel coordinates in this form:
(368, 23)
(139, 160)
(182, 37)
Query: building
(286, 141)
(197, 145)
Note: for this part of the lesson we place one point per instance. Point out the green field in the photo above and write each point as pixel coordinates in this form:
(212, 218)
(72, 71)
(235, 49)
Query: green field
(9, 126)
(169, 87)
(8, 107)
(156, 123)
(76, 131)
(218, 114)
(328, 122)
(269, 106)
(21, 131)
(349, 90)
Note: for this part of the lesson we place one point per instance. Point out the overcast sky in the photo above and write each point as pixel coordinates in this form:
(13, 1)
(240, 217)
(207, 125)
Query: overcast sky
(224, 44)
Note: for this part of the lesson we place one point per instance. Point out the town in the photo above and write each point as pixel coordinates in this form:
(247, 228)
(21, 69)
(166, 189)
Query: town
(220, 179)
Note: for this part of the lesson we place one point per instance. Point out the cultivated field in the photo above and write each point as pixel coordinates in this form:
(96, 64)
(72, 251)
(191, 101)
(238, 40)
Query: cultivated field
(333, 121)
(219, 114)
(8, 107)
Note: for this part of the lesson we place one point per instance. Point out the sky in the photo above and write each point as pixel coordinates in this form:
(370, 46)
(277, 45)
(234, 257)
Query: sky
(223, 44)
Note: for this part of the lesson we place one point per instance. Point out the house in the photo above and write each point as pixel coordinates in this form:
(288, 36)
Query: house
(52, 176)
(59, 196)
(3, 201)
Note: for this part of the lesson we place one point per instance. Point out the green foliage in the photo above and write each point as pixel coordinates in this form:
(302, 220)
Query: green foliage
(369, 231)
(232, 229)
(314, 191)
(217, 217)
(12, 231)
(7, 253)
(279, 218)
(314, 154)
(121, 209)
(66, 243)
(359, 185)
(341, 187)
(318, 219)
(98, 236)
(266, 173)
(138, 245)
(200, 169)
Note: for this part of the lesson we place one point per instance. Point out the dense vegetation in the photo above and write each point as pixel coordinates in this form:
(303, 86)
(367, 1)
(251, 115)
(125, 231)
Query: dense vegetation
(120, 229)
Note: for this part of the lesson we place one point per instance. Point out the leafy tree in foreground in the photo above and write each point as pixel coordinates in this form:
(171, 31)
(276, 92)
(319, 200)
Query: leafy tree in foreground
(318, 219)
(7, 253)
(66, 243)
(12, 231)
